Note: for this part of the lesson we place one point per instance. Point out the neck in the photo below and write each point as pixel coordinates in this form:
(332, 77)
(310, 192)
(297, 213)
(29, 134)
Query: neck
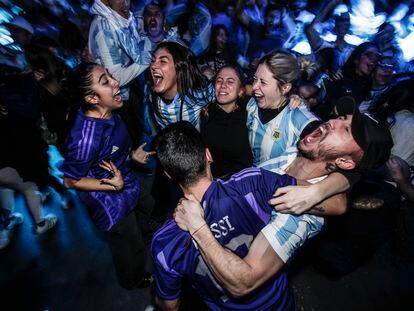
(280, 104)
(170, 94)
(99, 113)
(199, 188)
(229, 107)
(340, 41)
(303, 168)
(157, 39)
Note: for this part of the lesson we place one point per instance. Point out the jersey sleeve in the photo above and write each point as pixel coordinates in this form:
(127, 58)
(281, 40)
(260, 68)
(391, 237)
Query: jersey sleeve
(168, 250)
(301, 118)
(286, 233)
(203, 97)
(259, 185)
(168, 282)
(81, 152)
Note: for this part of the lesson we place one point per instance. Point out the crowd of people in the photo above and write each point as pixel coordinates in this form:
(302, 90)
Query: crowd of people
(249, 145)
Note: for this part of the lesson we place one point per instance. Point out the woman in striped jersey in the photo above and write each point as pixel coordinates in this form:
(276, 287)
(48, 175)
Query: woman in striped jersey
(97, 165)
(179, 89)
(275, 128)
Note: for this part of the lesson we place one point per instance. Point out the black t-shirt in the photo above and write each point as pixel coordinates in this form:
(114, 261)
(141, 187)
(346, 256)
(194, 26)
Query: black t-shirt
(226, 137)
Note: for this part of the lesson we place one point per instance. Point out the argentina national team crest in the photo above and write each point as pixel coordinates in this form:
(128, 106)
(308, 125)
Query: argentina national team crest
(276, 134)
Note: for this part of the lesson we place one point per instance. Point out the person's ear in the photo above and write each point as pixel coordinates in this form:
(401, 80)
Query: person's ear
(345, 163)
(91, 99)
(241, 92)
(286, 88)
(209, 156)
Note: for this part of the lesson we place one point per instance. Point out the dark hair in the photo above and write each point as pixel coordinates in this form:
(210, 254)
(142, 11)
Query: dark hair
(398, 97)
(182, 152)
(189, 76)
(214, 33)
(41, 58)
(272, 7)
(349, 66)
(153, 4)
(80, 84)
(240, 74)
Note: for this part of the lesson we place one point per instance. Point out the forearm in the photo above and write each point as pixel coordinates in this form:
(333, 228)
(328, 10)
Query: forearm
(167, 305)
(330, 198)
(88, 184)
(324, 12)
(229, 269)
(243, 18)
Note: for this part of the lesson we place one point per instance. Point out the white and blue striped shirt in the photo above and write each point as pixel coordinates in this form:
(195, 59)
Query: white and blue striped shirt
(187, 108)
(111, 40)
(287, 232)
(277, 136)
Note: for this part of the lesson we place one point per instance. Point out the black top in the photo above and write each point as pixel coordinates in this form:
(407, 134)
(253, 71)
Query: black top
(226, 137)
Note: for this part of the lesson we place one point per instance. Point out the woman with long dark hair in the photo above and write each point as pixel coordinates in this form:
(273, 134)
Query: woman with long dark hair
(178, 89)
(97, 165)
(356, 80)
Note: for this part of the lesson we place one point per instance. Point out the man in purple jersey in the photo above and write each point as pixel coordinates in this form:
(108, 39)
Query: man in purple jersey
(352, 140)
(236, 211)
(241, 202)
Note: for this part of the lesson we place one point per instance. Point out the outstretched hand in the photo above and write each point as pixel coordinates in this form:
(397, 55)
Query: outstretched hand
(295, 199)
(140, 155)
(116, 181)
(189, 215)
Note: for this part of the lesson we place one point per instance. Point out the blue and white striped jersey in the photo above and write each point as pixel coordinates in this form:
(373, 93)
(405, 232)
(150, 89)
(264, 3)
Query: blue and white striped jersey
(187, 108)
(111, 40)
(279, 135)
(286, 232)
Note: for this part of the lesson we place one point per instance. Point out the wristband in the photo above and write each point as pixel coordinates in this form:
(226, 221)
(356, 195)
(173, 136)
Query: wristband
(199, 229)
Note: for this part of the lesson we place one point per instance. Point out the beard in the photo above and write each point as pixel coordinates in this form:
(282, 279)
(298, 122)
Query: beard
(322, 153)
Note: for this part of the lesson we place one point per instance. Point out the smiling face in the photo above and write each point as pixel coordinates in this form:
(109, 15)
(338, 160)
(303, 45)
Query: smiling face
(221, 39)
(106, 92)
(383, 72)
(367, 61)
(266, 88)
(154, 21)
(331, 140)
(228, 86)
(163, 74)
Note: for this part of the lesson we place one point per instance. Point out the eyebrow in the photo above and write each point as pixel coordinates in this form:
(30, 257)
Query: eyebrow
(101, 76)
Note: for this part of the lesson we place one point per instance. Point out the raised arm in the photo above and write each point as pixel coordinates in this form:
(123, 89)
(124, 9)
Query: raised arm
(104, 48)
(243, 18)
(239, 276)
(314, 38)
(323, 198)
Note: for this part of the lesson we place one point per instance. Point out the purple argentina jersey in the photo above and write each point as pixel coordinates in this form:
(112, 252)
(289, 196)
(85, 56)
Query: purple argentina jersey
(236, 211)
(91, 141)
